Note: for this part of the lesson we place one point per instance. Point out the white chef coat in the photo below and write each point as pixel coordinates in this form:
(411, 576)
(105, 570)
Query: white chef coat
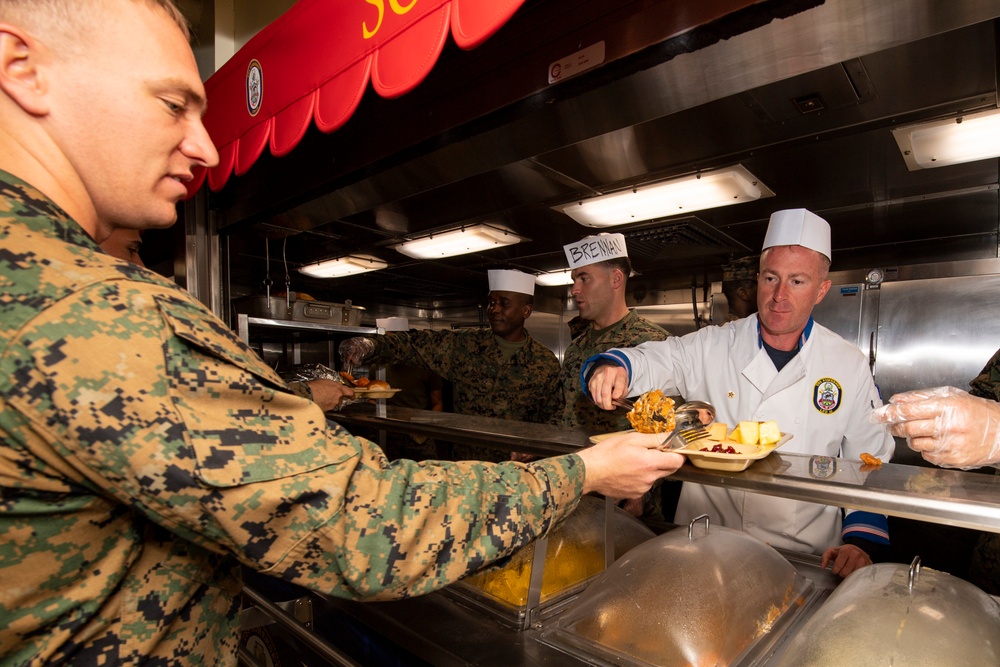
(823, 397)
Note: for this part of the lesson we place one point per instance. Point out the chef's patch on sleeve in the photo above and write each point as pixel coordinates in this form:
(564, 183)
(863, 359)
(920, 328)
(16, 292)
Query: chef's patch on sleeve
(827, 395)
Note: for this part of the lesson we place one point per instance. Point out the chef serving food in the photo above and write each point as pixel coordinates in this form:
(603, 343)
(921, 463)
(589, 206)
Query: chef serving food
(776, 365)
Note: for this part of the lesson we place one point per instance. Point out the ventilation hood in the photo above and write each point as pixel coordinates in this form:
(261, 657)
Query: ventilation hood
(802, 94)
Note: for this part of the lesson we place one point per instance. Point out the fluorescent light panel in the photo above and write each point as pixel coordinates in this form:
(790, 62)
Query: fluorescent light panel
(939, 143)
(553, 278)
(459, 242)
(343, 266)
(696, 192)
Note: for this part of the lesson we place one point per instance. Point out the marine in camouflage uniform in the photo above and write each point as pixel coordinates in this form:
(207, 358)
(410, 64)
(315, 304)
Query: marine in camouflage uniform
(523, 387)
(578, 410)
(984, 570)
(147, 453)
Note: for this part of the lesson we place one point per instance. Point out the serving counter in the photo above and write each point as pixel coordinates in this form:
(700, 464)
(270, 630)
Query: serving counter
(935, 495)
(442, 628)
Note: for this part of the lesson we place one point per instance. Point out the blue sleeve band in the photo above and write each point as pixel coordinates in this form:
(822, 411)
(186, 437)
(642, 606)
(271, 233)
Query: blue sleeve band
(866, 525)
(609, 358)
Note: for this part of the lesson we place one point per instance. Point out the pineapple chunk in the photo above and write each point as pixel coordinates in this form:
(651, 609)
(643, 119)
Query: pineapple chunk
(747, 433)
(717, 431)
(769, 433)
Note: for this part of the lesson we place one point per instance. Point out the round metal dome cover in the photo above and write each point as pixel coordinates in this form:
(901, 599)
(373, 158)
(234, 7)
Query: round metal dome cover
(889, 614)
(696, 596)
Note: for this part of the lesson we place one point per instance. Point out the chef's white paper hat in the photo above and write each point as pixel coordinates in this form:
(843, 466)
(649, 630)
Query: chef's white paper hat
(797, 226)
(506, 280)
(594, 249)
(393, 323)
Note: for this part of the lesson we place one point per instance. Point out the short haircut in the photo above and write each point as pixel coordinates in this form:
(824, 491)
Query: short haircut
(75, 14)
(623, 264)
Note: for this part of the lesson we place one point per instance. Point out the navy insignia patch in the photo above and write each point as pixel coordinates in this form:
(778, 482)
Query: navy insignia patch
(827, 394)
(255, 87)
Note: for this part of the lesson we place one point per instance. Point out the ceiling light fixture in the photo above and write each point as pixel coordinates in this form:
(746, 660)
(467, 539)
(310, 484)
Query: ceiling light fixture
(459, 242)
(553, 278)
(343, 266)
(939, 143)
(708, 189)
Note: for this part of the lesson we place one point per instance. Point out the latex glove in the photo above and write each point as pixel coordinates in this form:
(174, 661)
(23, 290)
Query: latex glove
(354, 351)
(948, 426)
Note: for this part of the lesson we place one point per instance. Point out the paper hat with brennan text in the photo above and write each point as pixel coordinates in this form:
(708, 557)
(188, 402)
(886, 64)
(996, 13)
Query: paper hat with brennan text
(594, 249)
(797, 226)
(393, 323)
(507, 280)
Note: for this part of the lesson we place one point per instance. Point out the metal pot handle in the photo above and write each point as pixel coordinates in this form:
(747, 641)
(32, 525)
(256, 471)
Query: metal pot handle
(696, 520)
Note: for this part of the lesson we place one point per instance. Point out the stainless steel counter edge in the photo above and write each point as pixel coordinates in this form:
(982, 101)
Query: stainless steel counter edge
(936, 495)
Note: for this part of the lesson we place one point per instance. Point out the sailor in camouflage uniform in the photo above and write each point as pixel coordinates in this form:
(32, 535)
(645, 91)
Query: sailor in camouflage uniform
(502, 373)
(146, 452)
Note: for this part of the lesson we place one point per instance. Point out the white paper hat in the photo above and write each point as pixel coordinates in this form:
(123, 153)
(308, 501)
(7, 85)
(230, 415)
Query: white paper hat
(594, 249)
(393, 323)
(797, 226)
(506, 280)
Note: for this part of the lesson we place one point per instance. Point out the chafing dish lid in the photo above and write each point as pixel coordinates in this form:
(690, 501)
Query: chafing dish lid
(691, 596)
(891, 614)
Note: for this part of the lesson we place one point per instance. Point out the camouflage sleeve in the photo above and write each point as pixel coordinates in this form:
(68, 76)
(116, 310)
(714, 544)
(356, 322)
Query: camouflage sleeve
(479, 512)
(149, 401)
(987, 383)
(551, 402)
(301, 389)
(440, 351)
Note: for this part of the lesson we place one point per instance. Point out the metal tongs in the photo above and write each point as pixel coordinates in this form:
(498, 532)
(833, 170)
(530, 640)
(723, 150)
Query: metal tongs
(348, 379)
(690, 420)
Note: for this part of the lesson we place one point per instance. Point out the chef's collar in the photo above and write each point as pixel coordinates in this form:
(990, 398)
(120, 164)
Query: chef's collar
(802, 339)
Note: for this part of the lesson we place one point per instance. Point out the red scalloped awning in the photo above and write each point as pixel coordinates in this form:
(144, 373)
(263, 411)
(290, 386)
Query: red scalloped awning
(314, 62)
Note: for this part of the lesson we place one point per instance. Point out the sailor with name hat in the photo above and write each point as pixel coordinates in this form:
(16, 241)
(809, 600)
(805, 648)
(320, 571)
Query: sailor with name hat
(600, 266)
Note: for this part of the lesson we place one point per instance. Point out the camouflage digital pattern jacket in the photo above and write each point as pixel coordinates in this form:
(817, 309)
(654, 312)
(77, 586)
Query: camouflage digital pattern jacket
(485, 383)
(521, 388)
(580, 411)
(146, 453)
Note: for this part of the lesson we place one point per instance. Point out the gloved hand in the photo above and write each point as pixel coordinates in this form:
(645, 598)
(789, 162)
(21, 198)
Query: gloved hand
(354, 351)
(948, 426)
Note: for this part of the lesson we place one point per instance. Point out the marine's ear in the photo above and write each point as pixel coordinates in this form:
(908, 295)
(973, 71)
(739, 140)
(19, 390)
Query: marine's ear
(21, 77)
